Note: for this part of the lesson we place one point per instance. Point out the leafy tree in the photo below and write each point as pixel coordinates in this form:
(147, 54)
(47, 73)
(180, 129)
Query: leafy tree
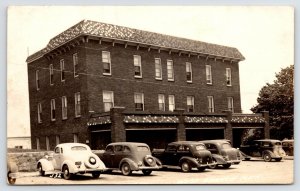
(278, 99)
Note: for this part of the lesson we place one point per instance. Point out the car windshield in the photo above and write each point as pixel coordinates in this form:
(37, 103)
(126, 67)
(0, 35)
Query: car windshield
(78, 148)
(199, 147)
(142, 148)
(278, 143)
(226, 146)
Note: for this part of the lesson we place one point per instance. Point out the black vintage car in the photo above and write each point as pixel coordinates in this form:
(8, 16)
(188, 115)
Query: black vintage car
(222, 153)
(288, 146)
(185, 154)
(268, 149)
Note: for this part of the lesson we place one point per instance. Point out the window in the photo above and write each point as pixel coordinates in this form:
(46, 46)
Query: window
(230, 104)
(161, 102)
(51, 74)
(75, 64)
(64, 108)
(137, 66)
(170, 70)
(39, 112)
(52, 109)
(77, 105)
(228, 76)
(62, 70)
(38, 143)
(139, 101)
(108, 100)
(171, 102)
(75, 137)
(208, 74)
(37, 80)
(211, 106)
(47, 143)
(190, 103)
(106, 63)
(188, 69)
(57, 139)
(158, 69)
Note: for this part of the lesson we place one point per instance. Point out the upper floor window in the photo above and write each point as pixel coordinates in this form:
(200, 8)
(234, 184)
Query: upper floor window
(161, 102)
(62, 70)
(228, 76)
(158, 69)
(39, 107)
(190, 103)
(75, 64)
(230, 104)
(208, 74)
(171, 102)
(188, 72)
(170, 70)
(77, 105)
(47, 143)
(51, 74)
(108, 100)
(52, 109)
(139, 101)
(106, 63)
(37, 79)
(64, 108)
(137, 66)
(211, 105)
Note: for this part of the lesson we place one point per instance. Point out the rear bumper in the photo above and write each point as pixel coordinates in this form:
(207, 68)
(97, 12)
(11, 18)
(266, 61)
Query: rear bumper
(150, 167)
(90, 170)
(234, 161)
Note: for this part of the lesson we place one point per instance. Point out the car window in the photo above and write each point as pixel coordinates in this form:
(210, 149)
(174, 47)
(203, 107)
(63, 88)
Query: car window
(278, 143)
(266, 144)
(61, 150)
(183, 148)
(56, 150)
(118, 148)
(109, 148)
(126, 149)
(142, 148)
(171, 148)
(226, 146)
(212, 148)
(78, 148)
(200, 147)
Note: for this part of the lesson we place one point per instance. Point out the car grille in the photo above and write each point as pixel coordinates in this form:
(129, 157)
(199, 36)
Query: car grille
(232, 156)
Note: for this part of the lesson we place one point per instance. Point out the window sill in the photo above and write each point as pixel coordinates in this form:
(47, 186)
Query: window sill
(63, 81)
(106, 74)
(53, 120)
(64, 119)
(76, 76)
(189, 82)
(229, 85)
(159, 79)
(171, 80)
(78, 116)
(209, 84)
(139, 77)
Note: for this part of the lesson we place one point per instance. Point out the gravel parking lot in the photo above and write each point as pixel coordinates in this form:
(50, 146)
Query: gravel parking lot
(247, 172)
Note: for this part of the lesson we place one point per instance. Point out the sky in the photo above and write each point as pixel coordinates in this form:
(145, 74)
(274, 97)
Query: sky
(263, 34)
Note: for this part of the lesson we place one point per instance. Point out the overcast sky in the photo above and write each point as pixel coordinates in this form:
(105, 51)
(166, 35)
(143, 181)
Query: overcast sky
(264, 35)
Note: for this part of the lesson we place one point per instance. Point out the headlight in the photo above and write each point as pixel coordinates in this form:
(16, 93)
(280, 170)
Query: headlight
(92, 160)
(226, 157)
(199, 160)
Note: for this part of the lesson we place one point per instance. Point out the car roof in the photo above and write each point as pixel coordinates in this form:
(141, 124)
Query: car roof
(215, 141)
(71, 144)
(267, 140)
(129, 144)
(184, 142)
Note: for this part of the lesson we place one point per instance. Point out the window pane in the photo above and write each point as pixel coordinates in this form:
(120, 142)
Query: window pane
(158, 72)
(108, 100)
(170, 70)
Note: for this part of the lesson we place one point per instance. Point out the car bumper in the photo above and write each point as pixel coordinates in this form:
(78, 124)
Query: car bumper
(206, 165)
(150, 167)
(234, 162)
(90, 170)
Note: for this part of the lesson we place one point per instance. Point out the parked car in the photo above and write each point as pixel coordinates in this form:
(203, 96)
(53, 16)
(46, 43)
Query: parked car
(185, 154)
(222, 153)
(128, 157)
(12, 169)
(70, 159)
(268, 149)
(288, 146)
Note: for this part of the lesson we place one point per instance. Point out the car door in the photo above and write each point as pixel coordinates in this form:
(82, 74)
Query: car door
(109, 156)
(170, 155)
(118, 155)
(183, 151)
(56, 161)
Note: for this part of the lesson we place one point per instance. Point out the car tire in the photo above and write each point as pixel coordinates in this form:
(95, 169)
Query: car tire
(40, 169)
(125, 168)
(66, 173)
(278, 160)
(185, 166)
(213, 166)
(226, 165)
(267, 157)
(10, 179)
(96, 174)
(201, 169)
(146, 172)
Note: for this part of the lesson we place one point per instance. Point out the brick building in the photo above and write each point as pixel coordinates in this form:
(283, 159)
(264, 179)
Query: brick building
(98, 83)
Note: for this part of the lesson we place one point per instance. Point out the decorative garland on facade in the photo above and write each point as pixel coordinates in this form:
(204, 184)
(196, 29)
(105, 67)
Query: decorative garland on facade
(247, 119)
(150, 119)
(212, 119)
(99, 121)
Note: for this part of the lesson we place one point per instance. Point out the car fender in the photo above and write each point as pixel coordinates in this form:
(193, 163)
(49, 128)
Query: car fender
(192, 161)
(12, 167)
(269, 152)
(46, 165)
(219, 159)
(133, 165)
(158, 162)
(71, 165)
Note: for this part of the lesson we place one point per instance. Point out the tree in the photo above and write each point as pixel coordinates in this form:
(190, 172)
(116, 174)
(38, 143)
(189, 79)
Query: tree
(278, 99)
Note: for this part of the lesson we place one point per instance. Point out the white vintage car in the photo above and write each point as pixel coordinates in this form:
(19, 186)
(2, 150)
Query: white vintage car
(70, 159)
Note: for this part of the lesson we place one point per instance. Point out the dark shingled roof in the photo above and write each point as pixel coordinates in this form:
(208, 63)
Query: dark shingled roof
(121, 33)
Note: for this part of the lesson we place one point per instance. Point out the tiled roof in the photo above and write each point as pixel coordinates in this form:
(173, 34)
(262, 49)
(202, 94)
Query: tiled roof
(110, 31)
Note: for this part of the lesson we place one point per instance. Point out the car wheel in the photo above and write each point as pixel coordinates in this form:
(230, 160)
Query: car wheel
(10, 179)
(278, 160)
(185, 166)
(66, 172)
(213, 166)
(226, 165)
(125, 168)
(96, 174)
(147, 172)
(267, 157)
(40, 169)
(201, 169)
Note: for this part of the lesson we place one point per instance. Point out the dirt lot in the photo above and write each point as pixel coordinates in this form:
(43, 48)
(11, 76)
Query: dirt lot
(248, 172)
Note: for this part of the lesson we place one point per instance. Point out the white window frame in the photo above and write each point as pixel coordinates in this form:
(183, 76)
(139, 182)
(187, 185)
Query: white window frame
(171, 98)
(52, 103)
(62, 70)
(192, 99)
(135, 100)
(137, 64)
(228, 77)
(208, 74)
(75, 137)
(51, 72)
(161, 101)
(77, 104)
(39, 107)
(64, 107)
(158, 69)
(47, 143)
(188, 68)
(111, 95)
(57, 139)
(37, 80)
(75, 64)
(230, 104)
(211, 104)
(108, 61)
(38, 146)
(170, 71)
